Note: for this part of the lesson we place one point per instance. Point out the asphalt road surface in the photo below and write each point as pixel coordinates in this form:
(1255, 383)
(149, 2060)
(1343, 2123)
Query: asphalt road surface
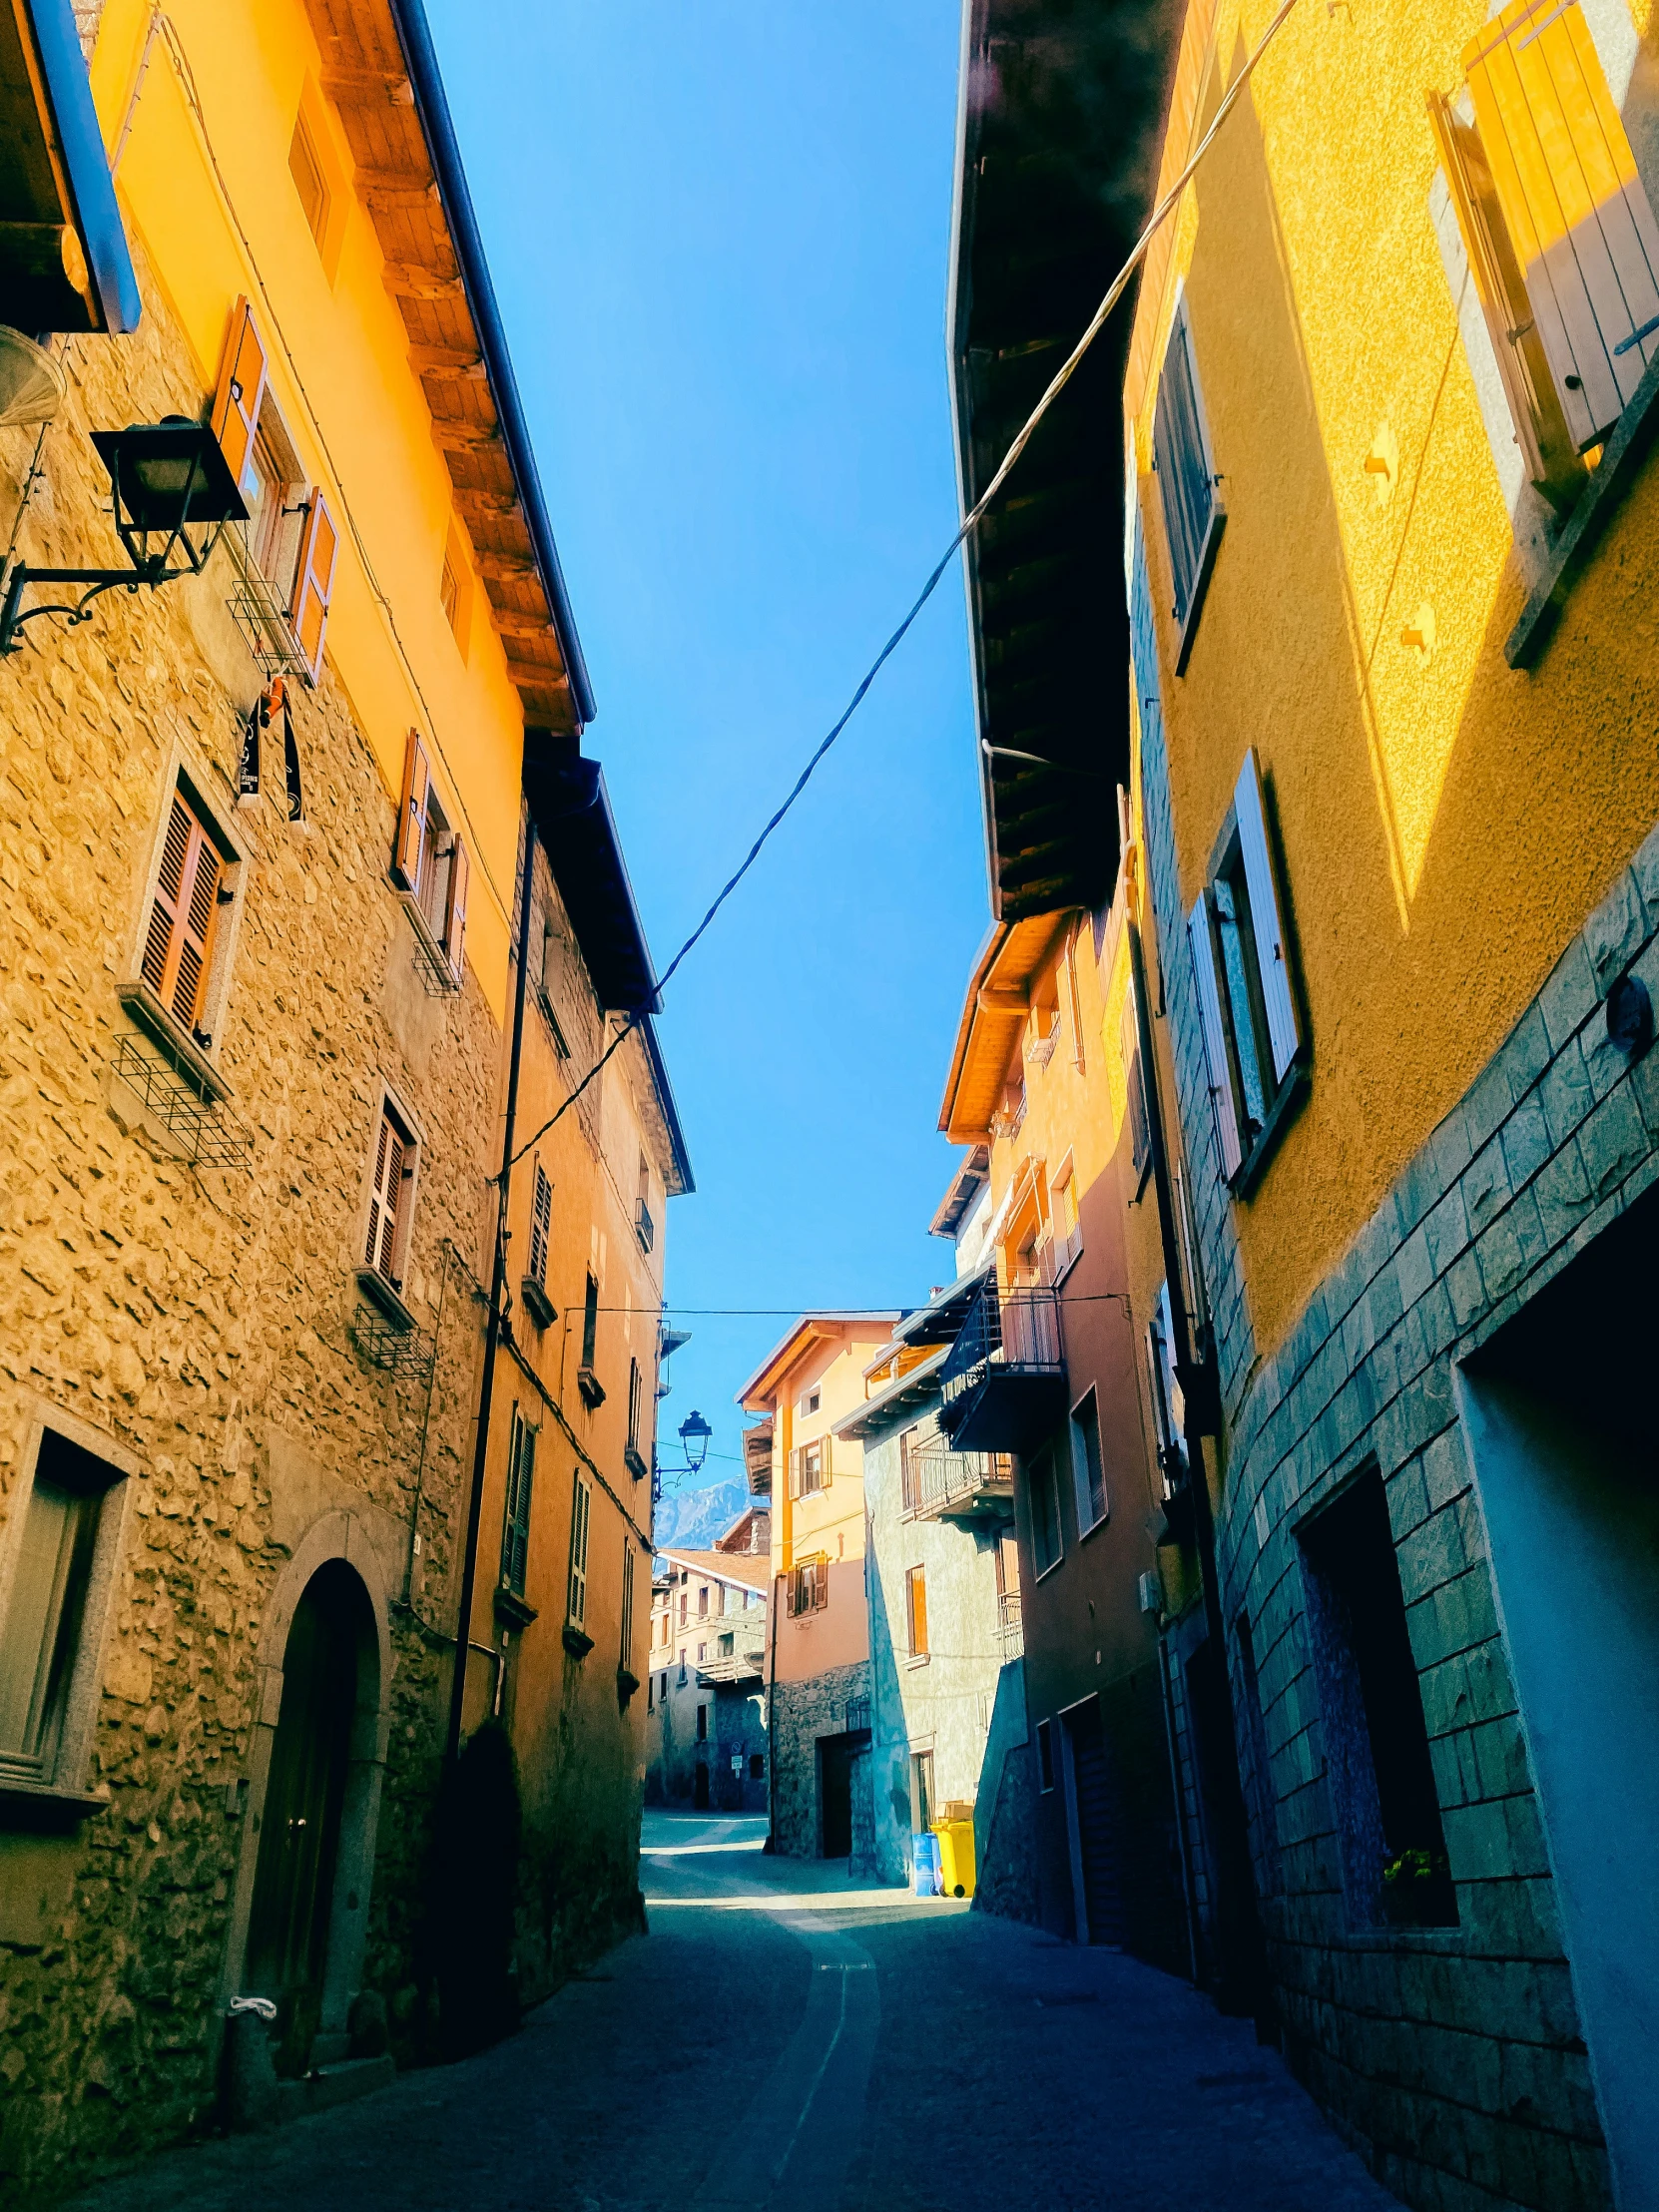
(783, 2038)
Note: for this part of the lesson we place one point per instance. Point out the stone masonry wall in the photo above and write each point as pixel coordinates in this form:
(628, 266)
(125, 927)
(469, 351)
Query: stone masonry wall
(802, 1713)
(199, 1317)
(1455, 2057)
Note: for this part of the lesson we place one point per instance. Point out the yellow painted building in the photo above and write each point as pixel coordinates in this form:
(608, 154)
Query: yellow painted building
(261, 818)
(819, 1670)
(1391, 549)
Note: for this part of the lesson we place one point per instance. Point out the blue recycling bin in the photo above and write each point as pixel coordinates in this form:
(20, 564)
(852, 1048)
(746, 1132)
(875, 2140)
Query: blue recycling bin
(925, 1857)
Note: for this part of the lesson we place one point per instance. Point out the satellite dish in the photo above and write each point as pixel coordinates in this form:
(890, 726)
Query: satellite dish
(31, 382)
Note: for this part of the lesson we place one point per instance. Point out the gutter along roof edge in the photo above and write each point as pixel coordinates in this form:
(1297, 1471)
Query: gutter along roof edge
(437, 124)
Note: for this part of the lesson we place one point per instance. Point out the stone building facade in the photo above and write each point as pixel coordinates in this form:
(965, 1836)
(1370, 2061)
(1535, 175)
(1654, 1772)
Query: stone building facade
(248, 1209)
(706, 1743)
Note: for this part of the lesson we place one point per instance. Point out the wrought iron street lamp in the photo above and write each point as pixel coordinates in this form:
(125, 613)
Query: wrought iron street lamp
(174, 494)
(695, 1433)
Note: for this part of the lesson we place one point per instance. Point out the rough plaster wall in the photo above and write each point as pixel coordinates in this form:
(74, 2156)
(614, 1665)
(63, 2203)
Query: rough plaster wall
(802, 1713)
(200, 1319)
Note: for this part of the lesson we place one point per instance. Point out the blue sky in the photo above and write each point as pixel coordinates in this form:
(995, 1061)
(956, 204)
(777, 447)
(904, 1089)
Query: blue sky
(719, 232)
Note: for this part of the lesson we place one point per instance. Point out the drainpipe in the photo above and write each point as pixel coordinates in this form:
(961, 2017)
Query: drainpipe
(772, 1724)
(492, 1332)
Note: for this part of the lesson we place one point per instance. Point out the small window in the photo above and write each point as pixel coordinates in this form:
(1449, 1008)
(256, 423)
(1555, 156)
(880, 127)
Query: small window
(44, 1630)
(809, 1469)
(1169, 1407)
(651, 1693)
(590, 1323)
(916, 1610)
(581, 1507)
(809, 1404)
(1088, 1469)
(1044, 1490)
(663, 1691)
(921, 1792)
(703, 1601)
(515, 1520)
(636, 1403)
(1045, 1756)
(181, 937)
(548, 976)
(702, 1719)
(724, 1645)
(541, 1225)
(1066, 1229)
(1187, 481)
(309, 180)
(627, 1599)
(684, 1608)
(809, 1587)
(1253, 1042)
(1386, 1810)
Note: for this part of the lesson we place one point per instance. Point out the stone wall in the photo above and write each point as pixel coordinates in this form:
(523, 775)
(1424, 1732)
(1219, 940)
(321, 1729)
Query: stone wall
(198, 1318)
(802, 1712)
(1456, 2056)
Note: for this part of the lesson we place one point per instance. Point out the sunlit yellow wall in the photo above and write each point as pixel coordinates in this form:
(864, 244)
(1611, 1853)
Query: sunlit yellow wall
(341, 377)
(1446, 823)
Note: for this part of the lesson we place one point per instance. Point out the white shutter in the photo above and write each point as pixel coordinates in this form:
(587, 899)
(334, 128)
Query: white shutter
(1267, 919)
(794, 1473)
(1572, 202)
(1201, 943)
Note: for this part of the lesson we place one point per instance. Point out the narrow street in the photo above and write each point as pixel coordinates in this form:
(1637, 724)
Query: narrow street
(783, 2037)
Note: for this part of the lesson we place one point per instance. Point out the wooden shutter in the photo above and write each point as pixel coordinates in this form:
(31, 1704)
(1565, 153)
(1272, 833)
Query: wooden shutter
(177, 946)
(541, 1225)
(385, 1199)
(1572, 202)
(579, 1554)
(627, 1599)
(1200, 942)
(1186, 475)
(918, 1580)
(1541, 430)
(794, 1473)
(825, 1463)
(820, 1583)
(515, 1530)
(455, 911)
(241, 384)
(409, 852)
(1267, 919)
(314, 583)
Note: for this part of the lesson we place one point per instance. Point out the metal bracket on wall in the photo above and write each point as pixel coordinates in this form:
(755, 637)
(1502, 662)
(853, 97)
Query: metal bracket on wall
(206, 1130)
(394, 1350)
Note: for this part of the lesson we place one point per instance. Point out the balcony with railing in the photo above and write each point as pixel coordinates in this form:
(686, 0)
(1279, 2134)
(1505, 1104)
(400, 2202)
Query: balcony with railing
(937, 1484)
(1010, 1627)
(1003, 1385)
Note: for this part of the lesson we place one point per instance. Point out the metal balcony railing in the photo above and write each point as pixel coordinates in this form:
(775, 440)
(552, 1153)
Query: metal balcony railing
(1002, 1385)
(1010, 1627)
(934, 1480)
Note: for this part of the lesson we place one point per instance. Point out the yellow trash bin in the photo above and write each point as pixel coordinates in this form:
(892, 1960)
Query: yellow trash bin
(955, 1857)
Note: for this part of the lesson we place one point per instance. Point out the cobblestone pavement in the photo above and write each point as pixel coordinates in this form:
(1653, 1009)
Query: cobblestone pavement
(783, 2037)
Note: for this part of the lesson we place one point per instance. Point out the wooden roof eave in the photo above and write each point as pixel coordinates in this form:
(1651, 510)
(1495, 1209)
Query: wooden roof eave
(366, 74)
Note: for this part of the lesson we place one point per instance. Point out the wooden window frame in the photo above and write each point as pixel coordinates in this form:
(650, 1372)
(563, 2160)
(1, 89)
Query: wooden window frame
(194, 1051)
(1177, 434)
(518, 1502)
(581, 1526)
(371, 1276)
(1088, 1520)
(106, 1469)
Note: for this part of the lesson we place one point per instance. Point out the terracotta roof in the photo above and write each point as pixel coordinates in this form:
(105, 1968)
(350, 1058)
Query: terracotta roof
(993, 1015)
(752, 1572)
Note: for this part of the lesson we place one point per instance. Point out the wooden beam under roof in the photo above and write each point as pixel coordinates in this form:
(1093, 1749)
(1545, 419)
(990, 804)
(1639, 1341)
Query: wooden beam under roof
(463, 438)
(529, 677)
(448, 361)
(360, 88)
(392, 191)
(412, 281)
(506, 568)
(472, 501)
(511, 625)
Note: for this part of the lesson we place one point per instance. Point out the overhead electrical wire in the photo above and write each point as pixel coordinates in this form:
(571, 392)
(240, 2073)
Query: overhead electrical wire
(971, 522)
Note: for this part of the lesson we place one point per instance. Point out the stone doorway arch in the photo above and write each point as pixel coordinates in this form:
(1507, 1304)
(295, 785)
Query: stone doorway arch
(301, 1915)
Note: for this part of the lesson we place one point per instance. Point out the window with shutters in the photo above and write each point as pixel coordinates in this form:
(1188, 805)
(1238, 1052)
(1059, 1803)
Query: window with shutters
(808, 1586)
(515, 1519)
(185, 931)
(431, 864)
(56, 1555)
(1044, 1494)
(627, 1597)
(183, 917)
(633, 1450)
(290, 543)
(1169, 1411)
(1561, 239)
(576, 1611)
(809, 1469)
(533, 1285)
(916, 1610)
(1253, 1048)
(1187, 487)
(390, 1197)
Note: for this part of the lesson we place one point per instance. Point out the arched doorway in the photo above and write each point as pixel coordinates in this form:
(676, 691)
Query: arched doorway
(328, 1668)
